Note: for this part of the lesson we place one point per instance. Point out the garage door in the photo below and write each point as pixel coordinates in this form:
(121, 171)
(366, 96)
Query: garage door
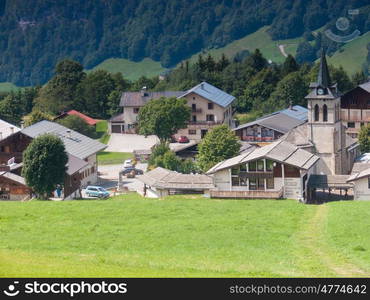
(116, 129)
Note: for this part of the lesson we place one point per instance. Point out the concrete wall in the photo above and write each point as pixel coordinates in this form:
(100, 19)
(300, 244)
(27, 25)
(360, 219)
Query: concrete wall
(361, 189)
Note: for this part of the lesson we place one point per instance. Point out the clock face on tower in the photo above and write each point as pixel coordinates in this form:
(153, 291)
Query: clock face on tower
(320, 91)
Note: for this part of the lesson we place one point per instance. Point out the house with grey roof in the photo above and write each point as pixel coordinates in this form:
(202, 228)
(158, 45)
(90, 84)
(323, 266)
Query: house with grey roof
(271, 127)
(161, 182)
(82, 154)
(209, 106)
(277, 170)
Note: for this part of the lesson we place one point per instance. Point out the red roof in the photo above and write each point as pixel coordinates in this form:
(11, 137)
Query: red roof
(87, 119)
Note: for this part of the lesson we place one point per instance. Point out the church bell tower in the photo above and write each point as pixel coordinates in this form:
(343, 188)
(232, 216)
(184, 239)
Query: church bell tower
(325, 130)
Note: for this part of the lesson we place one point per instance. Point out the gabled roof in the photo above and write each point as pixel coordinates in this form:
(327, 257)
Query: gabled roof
(165, 179)
(365, 86)
(323, 78)
(13, 177)
(137, 99)
(75, 164)
(7, 129)
(75, 143)
(211, 93)
(282, 121)
(279, 151)
(86, 118)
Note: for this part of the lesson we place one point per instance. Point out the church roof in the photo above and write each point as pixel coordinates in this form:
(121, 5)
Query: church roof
(323, 78)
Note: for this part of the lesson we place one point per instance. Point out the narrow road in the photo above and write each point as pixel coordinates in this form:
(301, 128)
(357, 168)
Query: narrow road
(282, 50)
(316, 256)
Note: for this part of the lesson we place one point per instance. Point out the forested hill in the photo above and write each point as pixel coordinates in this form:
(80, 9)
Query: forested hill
(35, 34)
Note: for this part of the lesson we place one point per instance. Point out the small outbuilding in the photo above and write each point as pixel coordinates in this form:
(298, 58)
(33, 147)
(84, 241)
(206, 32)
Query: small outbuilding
(161, 182)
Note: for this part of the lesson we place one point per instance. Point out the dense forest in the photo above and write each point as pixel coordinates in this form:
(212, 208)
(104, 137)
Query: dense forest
(259, 87)
(36, 34)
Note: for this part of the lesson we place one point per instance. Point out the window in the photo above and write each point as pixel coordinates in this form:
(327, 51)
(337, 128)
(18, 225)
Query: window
(210, 118)
(317, 112)
(243, 181)
(193, 107)
(270, 183)
(368, 182)
(260, 165)
(194, 118)
(252, 184)
(351, 124)
(235, 181)
(325, 113)
(269, 165)
(235, 171)
(210, 105)
(362, 124)
(193, 98)
(192, 132)
(243, 168)
(261, 184)
(136, 110)
(252, 166)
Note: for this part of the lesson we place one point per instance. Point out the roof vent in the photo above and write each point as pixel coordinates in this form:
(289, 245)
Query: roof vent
(69, 133)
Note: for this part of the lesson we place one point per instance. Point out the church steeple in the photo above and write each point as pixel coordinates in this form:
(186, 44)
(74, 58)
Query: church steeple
(323, 78)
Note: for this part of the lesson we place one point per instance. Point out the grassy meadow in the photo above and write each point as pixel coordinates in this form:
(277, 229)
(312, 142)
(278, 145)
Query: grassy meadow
(183, 236)
(113, 158)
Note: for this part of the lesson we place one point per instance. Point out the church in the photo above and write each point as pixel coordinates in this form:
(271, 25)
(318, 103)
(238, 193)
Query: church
(317, 155)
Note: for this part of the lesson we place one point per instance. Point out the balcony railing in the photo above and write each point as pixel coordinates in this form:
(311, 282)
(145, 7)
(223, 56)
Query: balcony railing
(254, 138)
(247, 194)
(204, 122)
(196, 110)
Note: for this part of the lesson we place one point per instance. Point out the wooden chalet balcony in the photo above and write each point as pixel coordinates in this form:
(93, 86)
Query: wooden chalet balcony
(254, 138)
(204, 122)
(247, 194)
(196, 110)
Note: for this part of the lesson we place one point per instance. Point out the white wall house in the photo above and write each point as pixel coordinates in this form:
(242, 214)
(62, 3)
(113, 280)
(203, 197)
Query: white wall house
(278, 170)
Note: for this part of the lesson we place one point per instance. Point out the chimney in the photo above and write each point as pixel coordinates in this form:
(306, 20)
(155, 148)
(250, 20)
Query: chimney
(22, 124)
(143, 91)
(1, 136)
(290, 105)
(69, 133)
(11, 129)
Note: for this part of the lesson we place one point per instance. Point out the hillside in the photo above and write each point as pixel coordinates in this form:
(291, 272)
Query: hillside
(35, 35)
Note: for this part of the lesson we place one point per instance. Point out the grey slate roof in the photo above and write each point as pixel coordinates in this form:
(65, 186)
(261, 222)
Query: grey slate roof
(75, 164)
(280, 151)
(7, 129)
(281, 121)
(13, 177)
(75, 143)
(212, 94)
(365, 86)
(138, 99)
(165, 179)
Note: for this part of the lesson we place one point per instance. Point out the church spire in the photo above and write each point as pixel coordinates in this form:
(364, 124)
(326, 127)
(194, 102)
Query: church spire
(323, 78)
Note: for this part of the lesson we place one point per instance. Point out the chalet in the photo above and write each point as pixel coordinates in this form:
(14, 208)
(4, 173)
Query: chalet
(210, 106)
(13, 186)
(355, 108)
(82, 150)
(88, 120)
(277, 170)
(271, 127)
(161, 182)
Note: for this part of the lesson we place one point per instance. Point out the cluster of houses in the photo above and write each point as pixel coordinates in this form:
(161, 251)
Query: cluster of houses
(298, 153)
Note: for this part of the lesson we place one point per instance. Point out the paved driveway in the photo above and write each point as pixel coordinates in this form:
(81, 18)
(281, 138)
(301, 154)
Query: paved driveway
(129, 142)
(108, 177)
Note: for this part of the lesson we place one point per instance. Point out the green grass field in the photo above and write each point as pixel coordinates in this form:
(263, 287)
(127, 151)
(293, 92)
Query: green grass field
(353, 55)
(181, 236)
(131, 70)
(113, 158)
(259, 39)
(8, 86)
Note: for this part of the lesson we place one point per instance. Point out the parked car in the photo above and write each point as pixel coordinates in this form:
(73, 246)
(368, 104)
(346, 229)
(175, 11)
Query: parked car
(130, 169)
(128, 163)
(183, 139)
(96, 191)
